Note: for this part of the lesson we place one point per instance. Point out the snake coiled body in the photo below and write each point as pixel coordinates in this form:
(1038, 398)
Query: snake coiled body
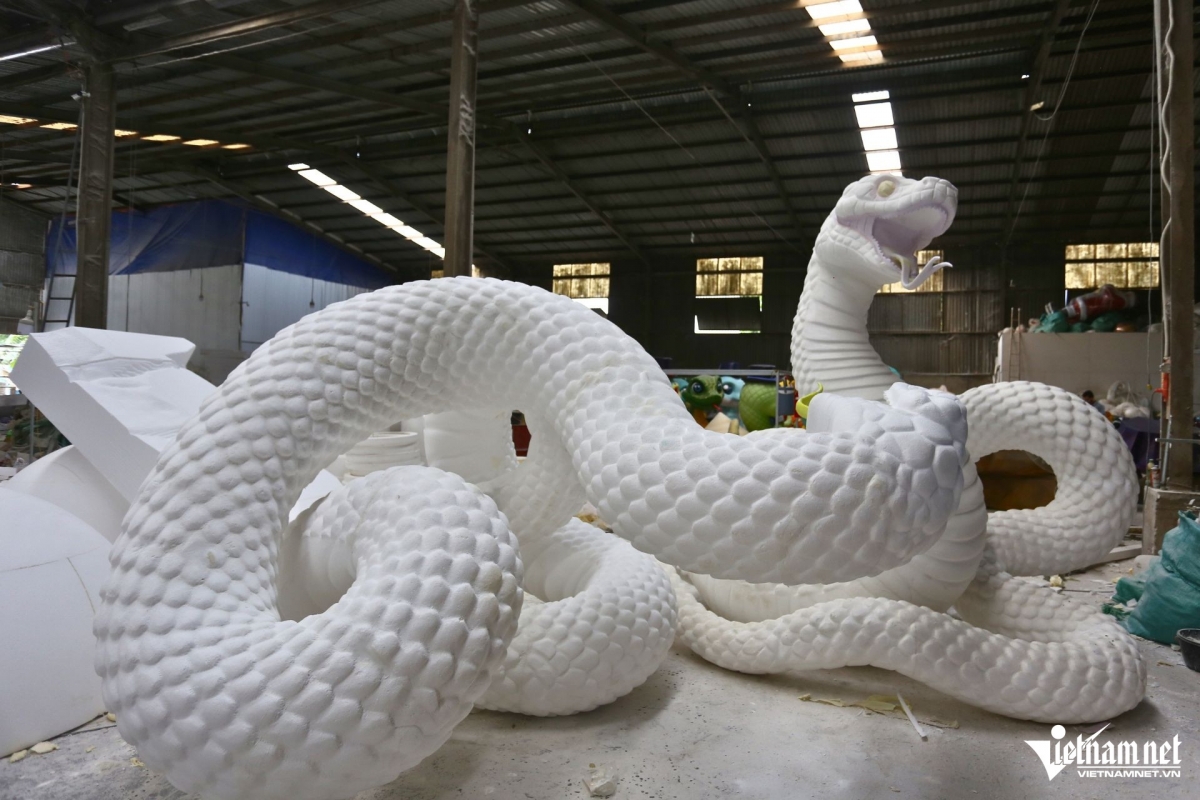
(1018, 649)
(597, 618)
(229, 699)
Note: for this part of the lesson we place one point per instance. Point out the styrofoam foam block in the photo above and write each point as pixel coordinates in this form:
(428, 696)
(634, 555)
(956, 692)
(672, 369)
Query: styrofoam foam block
(51, 567)
(120, 398)
(476, 445)
(382, 450)
(69, 481)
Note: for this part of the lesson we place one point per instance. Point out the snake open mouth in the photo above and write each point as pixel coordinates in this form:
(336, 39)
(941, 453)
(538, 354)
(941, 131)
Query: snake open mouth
(900, 217)
(899, 237)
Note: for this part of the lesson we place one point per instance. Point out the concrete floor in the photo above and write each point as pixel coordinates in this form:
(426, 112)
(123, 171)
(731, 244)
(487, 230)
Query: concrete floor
(694, 732)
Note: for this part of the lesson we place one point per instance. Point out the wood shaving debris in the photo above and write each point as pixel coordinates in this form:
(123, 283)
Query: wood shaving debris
(111, 717)
(887, 705)
(41, 748)
(89, 749)
(941, 723)
(17, 756)
(893, 788)
(137, 762)
(1165, 664)
(879, 703)
(1056, 581)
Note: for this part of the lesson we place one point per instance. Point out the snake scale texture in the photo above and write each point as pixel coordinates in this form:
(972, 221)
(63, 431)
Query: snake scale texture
(1015, 648)
(236, 683)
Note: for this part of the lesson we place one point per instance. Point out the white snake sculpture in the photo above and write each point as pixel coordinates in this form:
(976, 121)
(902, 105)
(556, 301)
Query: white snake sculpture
(1017, 649)
(242, 662)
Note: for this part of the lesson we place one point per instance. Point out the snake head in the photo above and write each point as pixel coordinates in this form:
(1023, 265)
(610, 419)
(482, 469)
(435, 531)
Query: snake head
(880, 223)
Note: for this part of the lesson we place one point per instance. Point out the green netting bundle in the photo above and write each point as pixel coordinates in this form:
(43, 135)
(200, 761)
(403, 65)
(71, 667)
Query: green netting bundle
(1168, 593)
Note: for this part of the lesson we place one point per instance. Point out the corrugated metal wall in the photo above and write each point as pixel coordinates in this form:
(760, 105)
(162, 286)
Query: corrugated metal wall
(22, 263)
(201, 305)
(225, 311)
(274, 300)
(218, 308)
(933, 338)
(946, 336)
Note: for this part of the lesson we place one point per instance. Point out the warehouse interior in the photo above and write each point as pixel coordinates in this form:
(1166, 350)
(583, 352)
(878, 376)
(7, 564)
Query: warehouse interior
(218, 170)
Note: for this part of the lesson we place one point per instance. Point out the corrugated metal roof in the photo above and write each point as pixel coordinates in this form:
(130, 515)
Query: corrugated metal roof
(632, 127)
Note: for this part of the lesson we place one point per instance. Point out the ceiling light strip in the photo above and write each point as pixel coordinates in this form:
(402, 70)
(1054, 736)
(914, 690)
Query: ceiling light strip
(877, 128)
(367, 208)
(9, 119)
(846, 30)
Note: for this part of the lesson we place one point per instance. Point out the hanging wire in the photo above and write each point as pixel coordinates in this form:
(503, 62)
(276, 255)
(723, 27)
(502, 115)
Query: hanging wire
(1071, 67)
(256, 43)
(1164, 165)
(1164, 103)
(1050, 119)
(1151, 368)
(687, 151)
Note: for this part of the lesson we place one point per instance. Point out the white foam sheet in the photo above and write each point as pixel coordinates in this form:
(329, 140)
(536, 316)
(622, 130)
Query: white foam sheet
(69, 481)
(323, 484)
(120, 398)
(477, 446)
(51, 567)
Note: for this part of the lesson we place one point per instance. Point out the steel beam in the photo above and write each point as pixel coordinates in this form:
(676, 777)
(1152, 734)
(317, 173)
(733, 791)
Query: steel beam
(393, 189)
(143, 46)
(547, 162)
(1032, 89)
(460, 140)
(94, 210)
(714, 84)
(270, 207)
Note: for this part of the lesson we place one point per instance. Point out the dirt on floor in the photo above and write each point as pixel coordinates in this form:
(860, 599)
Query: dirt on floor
(697, 732)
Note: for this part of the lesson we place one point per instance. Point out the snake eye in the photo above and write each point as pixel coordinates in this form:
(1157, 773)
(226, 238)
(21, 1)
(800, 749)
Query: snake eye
(885, 188)
(697, 387)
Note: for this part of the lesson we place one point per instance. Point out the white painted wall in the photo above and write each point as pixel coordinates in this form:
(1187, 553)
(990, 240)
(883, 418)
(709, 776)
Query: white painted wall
(200, 305)
(1079, 361)
(275, 300)
(226, 312)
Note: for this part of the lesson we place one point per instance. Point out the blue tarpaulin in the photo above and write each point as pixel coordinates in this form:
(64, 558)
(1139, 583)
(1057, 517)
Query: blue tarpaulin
(212, 233)
(279, 245)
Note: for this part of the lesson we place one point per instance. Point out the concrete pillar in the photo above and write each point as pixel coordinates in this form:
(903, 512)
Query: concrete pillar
(460, 145)
(94, 212)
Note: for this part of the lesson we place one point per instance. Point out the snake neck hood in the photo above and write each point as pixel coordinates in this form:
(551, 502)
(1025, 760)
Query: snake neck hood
(870, 239)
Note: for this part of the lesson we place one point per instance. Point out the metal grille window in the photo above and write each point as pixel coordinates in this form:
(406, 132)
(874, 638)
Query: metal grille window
(935, 283)
(729, 277)
(584, 283)
(441, 273)
(1128, 265)
(729, 295)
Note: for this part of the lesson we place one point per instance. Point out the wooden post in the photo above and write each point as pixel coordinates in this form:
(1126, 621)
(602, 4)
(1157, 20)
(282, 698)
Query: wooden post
(460, 144)
(1175, 29)
(94, 211)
